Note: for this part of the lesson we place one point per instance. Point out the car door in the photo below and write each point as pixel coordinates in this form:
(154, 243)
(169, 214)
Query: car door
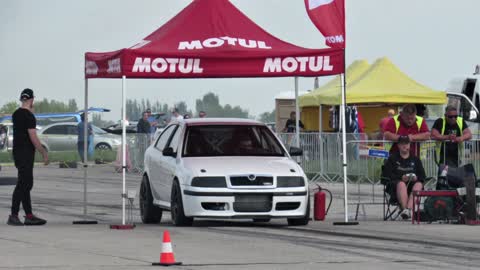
(157, 174)
(170, 164)
(72, 137)
(55, 137)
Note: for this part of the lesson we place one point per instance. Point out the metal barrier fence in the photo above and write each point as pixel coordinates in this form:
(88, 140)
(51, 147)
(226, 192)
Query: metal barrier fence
(322, 158)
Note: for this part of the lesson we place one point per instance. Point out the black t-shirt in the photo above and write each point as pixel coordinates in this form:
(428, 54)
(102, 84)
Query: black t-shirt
(23, 120)
(291, 125)
(396, 167)
(452, 147)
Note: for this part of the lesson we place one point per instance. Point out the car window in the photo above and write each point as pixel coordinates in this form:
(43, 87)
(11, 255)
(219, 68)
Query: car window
(230, 140)
(164, 137)
(72, 130)
(56, 130)
(175, 140)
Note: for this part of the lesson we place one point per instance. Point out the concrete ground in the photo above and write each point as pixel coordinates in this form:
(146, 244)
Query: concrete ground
(373, 244)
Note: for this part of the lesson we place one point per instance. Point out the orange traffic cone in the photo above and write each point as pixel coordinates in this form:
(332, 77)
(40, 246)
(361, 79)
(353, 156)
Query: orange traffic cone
(166, 257)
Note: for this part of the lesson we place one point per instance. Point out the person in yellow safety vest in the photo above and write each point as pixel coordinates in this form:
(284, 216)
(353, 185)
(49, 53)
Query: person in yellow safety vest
(407, 123)
(450, 131)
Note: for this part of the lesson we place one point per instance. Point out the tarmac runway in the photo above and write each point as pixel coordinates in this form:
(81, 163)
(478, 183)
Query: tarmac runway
(240, 244)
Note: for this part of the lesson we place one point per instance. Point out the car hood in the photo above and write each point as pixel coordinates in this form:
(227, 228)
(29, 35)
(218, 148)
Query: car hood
(242, 165)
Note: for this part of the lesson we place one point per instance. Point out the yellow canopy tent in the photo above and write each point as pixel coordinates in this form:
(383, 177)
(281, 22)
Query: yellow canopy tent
(354, 71)
(382, 83)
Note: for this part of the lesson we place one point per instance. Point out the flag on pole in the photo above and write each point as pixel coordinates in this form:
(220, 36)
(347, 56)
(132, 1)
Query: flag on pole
(329, 17)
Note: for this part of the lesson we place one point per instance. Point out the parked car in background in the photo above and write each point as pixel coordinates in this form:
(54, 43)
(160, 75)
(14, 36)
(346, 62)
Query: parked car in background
(64, 136)
(222, 168)
(4, 142)
(117, 128)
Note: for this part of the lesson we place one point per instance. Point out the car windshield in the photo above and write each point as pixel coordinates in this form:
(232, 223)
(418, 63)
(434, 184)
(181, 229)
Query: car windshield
(231, 140)
(98, 130)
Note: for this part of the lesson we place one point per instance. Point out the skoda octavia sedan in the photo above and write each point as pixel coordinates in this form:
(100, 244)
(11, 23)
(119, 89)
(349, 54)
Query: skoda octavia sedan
(222, 168)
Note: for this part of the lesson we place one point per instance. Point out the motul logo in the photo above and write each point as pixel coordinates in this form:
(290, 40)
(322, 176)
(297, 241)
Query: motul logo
(298, 64)
(114, 66)
(335, 39)
(222, 41)
(170, 65)
(91, 68)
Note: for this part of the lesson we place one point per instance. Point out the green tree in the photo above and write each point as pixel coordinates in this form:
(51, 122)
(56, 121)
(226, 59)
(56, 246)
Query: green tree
(9, 107)
(210, 103)
(267, 117)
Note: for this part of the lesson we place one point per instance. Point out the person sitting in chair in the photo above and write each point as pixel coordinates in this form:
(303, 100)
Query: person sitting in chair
(406, 174)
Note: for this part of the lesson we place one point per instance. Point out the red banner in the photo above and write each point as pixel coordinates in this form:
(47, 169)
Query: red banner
(329, 17)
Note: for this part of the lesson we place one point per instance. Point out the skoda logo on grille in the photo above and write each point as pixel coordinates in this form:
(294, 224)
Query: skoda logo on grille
(252, 177)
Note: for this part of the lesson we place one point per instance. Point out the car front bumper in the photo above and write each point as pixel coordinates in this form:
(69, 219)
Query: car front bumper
(245, 203)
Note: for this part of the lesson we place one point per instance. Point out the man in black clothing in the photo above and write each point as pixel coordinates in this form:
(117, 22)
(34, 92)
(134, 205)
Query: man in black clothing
(450, 131)
(291, 125)
(25, 141)
(143, 125)
(406, 174)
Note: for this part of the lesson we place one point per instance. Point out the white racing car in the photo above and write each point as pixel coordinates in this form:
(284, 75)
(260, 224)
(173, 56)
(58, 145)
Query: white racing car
(222, 168)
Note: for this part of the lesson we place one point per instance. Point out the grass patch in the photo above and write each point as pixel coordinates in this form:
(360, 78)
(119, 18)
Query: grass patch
(103, 156)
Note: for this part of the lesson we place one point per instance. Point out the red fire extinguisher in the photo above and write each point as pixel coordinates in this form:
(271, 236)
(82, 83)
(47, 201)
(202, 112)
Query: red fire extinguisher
(319, 200)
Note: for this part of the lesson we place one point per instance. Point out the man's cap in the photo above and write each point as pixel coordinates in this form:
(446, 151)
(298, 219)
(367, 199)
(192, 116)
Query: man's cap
(26, 94)
(403, 139)
(148, 110)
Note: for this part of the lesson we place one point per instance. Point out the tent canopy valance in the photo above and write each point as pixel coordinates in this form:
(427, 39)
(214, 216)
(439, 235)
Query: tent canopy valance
(212, 39)
(383, 82)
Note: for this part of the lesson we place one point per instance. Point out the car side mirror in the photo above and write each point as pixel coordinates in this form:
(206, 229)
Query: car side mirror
(168, 152)
(295, 151)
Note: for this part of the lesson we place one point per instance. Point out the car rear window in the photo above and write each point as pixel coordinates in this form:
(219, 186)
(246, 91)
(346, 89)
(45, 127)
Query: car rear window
(231, 140)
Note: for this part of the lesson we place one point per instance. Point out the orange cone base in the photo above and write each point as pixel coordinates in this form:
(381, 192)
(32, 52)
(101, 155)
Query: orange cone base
(122, 227)
(167, 264)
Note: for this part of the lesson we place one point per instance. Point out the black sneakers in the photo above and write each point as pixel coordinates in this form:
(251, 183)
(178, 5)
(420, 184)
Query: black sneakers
(33, 220)
(14, 221)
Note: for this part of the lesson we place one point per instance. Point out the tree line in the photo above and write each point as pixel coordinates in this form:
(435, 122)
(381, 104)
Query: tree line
(209, 103)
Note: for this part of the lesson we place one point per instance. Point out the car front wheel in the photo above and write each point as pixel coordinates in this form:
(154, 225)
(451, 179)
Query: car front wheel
(177, 212)
(149, 212)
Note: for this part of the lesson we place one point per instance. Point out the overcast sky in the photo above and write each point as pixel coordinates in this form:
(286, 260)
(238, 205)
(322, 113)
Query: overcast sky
(42, 45)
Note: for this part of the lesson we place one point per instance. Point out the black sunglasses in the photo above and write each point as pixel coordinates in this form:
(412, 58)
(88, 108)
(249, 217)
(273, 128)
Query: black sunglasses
(452, 116)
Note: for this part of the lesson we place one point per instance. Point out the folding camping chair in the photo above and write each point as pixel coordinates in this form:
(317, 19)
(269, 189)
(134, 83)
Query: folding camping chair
(391, 205)
(390, 202)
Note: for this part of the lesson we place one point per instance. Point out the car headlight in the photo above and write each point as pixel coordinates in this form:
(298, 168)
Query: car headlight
(211, 182)
(290, 181)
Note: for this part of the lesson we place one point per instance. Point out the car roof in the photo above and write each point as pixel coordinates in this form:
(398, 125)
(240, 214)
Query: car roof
(221, 121)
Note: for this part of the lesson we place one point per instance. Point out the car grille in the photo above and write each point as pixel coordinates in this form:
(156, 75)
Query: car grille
(253, 203)
(245, 181)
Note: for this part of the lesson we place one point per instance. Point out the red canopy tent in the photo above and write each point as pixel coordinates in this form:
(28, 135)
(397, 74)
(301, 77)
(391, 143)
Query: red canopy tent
(210, 39)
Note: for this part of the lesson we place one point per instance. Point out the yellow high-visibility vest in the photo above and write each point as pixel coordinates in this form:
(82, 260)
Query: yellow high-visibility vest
(438, 145)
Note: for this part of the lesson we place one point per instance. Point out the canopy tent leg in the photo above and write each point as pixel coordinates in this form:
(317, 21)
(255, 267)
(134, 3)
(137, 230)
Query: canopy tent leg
(320, 136)
(124, 226)
(85, 163)
(344, 154)
(124, 144)
(297, 115)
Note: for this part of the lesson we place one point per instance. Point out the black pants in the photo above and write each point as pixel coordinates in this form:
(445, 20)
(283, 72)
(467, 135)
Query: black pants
(21, 194)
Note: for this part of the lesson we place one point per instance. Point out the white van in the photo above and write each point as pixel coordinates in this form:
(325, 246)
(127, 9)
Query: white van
(464, 93)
